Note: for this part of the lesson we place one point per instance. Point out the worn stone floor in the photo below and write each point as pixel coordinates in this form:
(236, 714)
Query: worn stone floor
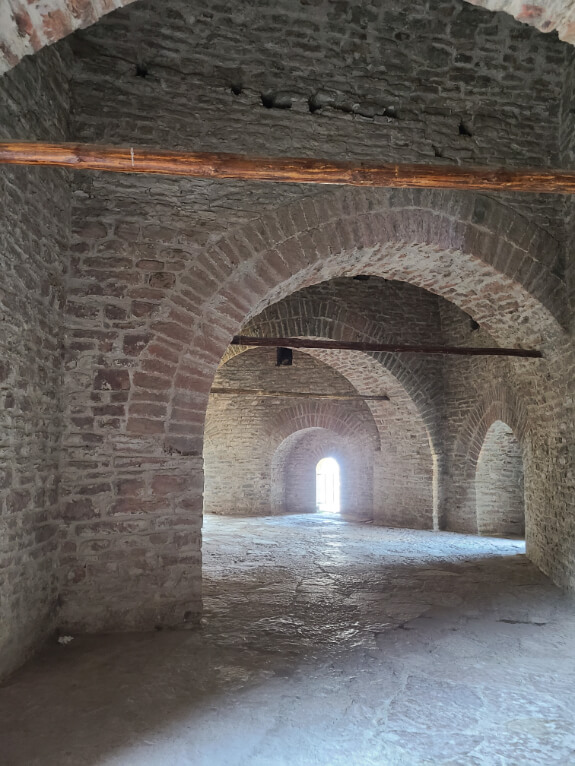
(324, 643)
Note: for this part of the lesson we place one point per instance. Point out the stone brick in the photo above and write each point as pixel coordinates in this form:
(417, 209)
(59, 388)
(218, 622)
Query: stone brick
(145, 426)
(157, 274)
(162, 279)
(78, 510)
(166, 485)
(111, 380)
(134, 344)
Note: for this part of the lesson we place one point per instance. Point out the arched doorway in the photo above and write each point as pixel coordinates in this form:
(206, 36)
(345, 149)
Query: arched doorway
(294, 477)
(327, 485)
(499, 484)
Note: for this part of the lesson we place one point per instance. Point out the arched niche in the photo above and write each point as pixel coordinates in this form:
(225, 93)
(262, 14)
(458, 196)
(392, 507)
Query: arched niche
(499, 484)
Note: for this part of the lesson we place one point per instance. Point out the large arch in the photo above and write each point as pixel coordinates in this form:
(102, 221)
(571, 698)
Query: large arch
(405, 488)
(466, 248)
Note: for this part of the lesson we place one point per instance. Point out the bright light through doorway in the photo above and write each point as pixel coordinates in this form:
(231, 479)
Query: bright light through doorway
(327, 485)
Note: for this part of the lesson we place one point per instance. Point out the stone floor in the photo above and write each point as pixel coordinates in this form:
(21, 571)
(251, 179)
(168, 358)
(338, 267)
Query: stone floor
(324, 643)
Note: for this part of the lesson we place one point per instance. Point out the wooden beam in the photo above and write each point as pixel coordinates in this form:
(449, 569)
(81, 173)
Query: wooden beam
(285, 169)
(394, 348)
(298, 394)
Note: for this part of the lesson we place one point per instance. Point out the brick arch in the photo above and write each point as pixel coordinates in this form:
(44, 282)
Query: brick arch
(368, 375)
(362, 371)
(405, 467)
(294, 464)
(498, 403)
(465, 247)
(557, 16)
(26, 26)
(326, 415)
(299, 318)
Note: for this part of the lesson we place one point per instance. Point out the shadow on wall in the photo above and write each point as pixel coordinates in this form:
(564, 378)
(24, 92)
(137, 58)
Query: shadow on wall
(499, 491)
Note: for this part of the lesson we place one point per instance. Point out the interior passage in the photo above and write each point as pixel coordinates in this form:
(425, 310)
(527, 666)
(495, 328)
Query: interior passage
(323, 642)
(218, 602)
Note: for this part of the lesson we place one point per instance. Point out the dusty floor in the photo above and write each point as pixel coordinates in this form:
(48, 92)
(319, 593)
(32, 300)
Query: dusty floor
(325, 643)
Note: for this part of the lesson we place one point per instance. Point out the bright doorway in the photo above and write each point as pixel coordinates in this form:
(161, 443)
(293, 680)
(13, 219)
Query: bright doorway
(327, 485)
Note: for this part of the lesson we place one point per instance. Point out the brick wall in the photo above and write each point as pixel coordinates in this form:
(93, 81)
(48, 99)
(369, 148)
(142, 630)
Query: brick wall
(26, 27)
(245, 451)
(162, 272)
(567, 160)
(438, 82)
(34, 230)
(499, 484)
(377, 310)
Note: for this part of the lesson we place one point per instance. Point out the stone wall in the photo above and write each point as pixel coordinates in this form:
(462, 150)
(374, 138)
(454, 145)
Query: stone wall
(437, 82)
(34, 230)
(162, 272)
(499, 484)
(246, 435)
(26, 27)
(567, 160)
(381, 311)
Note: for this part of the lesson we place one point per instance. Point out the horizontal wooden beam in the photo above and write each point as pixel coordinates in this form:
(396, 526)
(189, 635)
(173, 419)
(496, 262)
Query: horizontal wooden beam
(298, 394)
(299, 170)
(394, 348)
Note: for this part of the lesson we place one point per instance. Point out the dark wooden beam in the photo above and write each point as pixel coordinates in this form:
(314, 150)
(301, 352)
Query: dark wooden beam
(297, 394)
(284, 169)
(394, 348)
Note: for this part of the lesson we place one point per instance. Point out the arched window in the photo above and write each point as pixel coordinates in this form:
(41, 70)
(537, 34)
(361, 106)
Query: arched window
(327, 485)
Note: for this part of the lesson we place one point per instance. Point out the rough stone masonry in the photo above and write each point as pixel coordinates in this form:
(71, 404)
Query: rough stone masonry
(120, 295)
